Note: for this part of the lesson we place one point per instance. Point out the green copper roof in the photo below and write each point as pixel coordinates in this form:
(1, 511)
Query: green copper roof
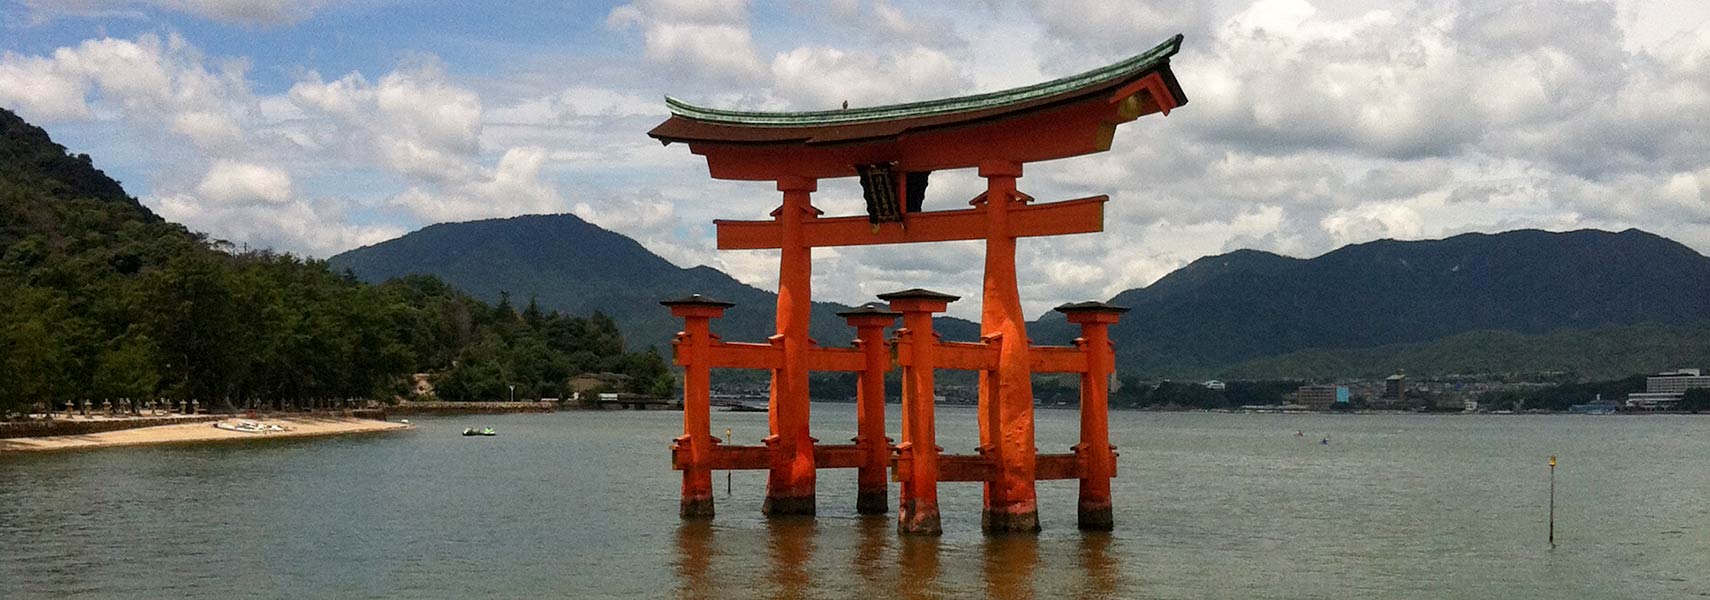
(1136, 64)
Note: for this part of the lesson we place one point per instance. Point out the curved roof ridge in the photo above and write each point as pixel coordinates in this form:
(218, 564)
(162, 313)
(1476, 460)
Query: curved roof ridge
(1137, 63)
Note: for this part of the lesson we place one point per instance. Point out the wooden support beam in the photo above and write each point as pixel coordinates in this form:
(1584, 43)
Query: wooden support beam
(1058, 466)
(965, 356)
(759, 458)
(836, 359)
(1085, 215)
(1057, 359)
(743, 355)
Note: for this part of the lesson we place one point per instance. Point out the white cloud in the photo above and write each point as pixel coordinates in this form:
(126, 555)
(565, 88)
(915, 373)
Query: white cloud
(147, 80)
(318, 228)
(814, 77)
(709, 38)
(514, 187)
(414, 120)
(240, 183)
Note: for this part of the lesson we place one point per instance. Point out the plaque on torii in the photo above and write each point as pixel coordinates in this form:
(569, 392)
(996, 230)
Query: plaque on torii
(893, 149)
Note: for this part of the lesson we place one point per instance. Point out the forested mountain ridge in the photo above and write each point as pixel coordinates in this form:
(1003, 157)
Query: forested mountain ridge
(100, 298)
(1219, 315)
(1226, 309)
(568, 264)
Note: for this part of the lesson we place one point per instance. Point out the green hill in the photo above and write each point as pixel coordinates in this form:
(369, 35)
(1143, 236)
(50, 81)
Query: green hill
(568, 264)
(1226, 310)
(101, 298)
(1608, 352)
(1518, 300)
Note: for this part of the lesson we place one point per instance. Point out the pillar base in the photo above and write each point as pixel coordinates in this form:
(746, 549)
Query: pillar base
(919, 523)
(779, 506)
(696, 508)
(1095, 518)
(872, 502)
(993, 521)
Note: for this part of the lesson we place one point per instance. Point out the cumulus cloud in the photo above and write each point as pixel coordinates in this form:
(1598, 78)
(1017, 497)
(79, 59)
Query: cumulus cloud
(513, 187)
(311, 228)
(240, 183)
(817, 77)
(414, 120)
(146, 79)
(693, 36)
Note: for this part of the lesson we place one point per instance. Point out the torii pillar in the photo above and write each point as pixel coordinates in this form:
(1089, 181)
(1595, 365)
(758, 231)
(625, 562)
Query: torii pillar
(790, 482)
(1006, 396)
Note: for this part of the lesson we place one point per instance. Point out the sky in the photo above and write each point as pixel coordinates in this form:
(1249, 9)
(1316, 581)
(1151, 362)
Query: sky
(317, 126)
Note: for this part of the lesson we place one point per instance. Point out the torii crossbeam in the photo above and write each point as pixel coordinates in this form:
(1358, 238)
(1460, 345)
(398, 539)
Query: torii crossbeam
(893, 149)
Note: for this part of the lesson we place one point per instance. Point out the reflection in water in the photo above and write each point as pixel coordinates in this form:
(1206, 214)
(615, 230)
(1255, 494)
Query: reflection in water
(790, 547)
(1103, 572)
(870, 563)
(919, 567)
(885, 564)
(1010, 561)
(694, 558)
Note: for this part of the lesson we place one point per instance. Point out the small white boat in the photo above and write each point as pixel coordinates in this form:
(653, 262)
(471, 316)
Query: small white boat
(247, 426)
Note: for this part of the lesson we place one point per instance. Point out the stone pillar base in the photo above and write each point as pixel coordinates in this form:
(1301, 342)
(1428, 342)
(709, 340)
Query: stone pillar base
(1095, 518)
(919, 523)
(696, 508)
(1009, 522)
(779, 506)
(872, 502)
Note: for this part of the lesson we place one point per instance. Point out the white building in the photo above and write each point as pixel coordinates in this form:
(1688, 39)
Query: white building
(1664, 390)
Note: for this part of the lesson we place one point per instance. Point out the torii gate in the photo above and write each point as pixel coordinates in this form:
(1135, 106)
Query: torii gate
(892, 149)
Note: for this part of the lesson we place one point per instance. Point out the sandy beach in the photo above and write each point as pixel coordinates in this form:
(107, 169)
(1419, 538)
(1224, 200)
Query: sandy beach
(199, 432)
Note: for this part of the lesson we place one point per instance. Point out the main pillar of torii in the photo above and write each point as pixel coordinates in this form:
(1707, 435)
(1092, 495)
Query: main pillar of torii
(892, 149)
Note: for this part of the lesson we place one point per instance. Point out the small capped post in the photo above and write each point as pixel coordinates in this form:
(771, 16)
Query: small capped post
(917, 455)
(1097, 456)
(870, 321)
(692, 452)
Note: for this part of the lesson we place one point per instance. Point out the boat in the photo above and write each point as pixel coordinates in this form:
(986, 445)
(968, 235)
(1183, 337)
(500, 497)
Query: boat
(247, 426)
(744, 408)
(486, 431)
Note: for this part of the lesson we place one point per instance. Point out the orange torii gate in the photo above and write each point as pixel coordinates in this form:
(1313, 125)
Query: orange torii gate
(893, 149)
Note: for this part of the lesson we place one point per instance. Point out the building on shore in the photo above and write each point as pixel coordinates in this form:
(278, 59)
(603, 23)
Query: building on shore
(1322, 397)
(598, 382)
(1215, 384)
(1395, 388)
(1664, 390)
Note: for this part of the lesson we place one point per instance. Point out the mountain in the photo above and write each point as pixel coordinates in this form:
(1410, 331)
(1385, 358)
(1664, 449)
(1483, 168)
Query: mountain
(31, 159)
(1223, 310)
(571, 265)
(101, 298)
(1599, 353)
(1372, 306)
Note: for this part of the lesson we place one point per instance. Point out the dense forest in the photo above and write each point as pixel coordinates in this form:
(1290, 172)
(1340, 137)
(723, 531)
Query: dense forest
(100, 298)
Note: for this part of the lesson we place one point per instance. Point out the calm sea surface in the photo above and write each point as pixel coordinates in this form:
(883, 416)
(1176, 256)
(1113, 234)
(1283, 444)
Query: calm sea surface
(583, 505)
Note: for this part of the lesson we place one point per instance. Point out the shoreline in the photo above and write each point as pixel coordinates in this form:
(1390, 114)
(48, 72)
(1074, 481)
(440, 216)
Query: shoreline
(304, 426)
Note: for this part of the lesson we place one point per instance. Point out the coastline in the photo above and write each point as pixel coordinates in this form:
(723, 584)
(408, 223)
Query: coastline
(199, 432)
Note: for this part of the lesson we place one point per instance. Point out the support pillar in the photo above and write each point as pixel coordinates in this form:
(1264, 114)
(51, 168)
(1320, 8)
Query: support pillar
(1006, 395)
(1096, 455)
(917, 455)
(871, 489)
(790, 483)
(692, 452)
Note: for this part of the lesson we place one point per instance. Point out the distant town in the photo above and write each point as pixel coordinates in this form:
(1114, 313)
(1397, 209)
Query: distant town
(1678, 390)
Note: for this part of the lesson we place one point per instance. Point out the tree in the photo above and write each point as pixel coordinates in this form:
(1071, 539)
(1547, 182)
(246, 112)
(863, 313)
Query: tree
(1696, 400)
